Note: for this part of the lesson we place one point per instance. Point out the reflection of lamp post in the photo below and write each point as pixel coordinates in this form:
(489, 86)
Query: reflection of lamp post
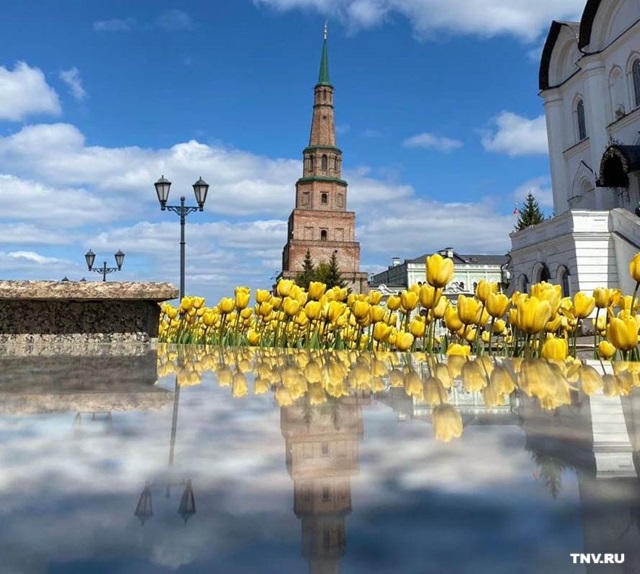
(187, 507)
(90, 257)
(200, 188)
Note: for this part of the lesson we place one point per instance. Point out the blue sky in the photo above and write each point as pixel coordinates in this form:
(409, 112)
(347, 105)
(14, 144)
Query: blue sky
(437, 114)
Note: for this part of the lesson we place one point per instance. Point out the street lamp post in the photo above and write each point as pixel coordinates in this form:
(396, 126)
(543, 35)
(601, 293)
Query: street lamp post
(200, 188)
(90, 257)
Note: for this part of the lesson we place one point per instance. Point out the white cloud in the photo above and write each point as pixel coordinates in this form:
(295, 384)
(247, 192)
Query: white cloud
(60, 191)
(71, 77)
(33, 256)
(174, 20)
(114, 25)
(407, 229)
(540, 187)
(370, 133)
(517, 136)
(24, 92)
(521, 18)
(428, 140)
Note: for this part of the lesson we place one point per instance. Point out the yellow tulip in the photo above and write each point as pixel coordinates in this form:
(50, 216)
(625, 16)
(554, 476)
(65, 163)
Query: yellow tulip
(439, 270)
(262, 296)
(469, 310)
(242, 296)
(427, 296)
(457, 350)
(172, 312)
(376, 313)
(417, 327)
(554, 349)
(451, 319)
(226, 305)
(447, 423)
(403, 340)
(375, 297)
(313, 309)
(381, 332)
(197, 302)
(497, 304)
(484, 288)
(601, 297)
(409, 300)
(246, 313)
(440, 308)
(623, 333)
(186, 303)
(499, 326)
(606, 350)
(634, 268)
(290, 306)
(253, 337)
(316, 290)
(393, 302)
(533, 314)
(284, 287)
(360, 309)
(334, 310)
(583, 304)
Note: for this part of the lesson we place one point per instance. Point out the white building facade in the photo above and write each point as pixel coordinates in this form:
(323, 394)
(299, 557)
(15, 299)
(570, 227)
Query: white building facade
(469, 270)
(590, 83)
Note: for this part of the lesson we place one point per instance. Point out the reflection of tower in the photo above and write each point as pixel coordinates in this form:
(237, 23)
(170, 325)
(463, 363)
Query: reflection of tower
(322, 446)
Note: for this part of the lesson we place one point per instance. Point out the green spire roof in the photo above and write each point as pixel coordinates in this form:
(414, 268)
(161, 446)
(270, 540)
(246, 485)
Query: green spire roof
(323, 77)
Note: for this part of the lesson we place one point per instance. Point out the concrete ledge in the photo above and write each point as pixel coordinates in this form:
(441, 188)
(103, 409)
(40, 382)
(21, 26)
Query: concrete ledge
(65, 312)
(86, 291)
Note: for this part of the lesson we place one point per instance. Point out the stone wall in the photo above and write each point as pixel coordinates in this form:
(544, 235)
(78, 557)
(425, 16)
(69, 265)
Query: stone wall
(65, 312)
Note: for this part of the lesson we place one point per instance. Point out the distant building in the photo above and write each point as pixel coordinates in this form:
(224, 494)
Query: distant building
(469, 270)
(589, 80)
(320, 222)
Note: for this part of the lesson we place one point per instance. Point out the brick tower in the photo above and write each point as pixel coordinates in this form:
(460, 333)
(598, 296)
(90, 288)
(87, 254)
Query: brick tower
(320, 221)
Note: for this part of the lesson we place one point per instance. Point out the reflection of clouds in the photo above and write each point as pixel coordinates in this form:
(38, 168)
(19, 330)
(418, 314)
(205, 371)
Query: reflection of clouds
(67, 499)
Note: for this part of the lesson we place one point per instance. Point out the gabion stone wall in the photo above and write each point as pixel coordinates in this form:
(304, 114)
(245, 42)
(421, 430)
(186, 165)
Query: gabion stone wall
(33, 312)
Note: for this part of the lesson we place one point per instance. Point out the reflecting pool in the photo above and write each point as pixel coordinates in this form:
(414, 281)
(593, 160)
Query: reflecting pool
(197, 460)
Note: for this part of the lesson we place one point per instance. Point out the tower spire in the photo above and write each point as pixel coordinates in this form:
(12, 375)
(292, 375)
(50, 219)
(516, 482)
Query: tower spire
(323, 76)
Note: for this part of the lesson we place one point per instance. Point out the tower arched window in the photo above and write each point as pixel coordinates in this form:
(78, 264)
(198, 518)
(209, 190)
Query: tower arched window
(563, 274)
(580, 120)
(324, 163)
(635, 75)
(323, 198)
(323, 235)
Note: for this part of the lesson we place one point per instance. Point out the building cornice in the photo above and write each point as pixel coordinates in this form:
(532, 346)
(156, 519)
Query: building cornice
(322, 178)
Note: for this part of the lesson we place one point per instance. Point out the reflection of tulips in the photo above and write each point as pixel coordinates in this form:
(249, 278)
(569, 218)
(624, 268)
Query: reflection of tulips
(447, 423)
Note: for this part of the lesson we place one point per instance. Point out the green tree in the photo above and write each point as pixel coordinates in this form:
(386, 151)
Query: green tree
(530, 214)
(334, 277)
(308, 273)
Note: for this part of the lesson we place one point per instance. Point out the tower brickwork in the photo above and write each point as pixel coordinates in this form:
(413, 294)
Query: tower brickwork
(320, 221)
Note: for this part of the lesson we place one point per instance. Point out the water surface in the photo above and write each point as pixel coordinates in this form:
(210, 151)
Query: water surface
(345, 463)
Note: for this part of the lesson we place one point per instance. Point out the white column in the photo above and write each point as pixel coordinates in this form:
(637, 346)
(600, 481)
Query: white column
(555, 137)
(596, 105)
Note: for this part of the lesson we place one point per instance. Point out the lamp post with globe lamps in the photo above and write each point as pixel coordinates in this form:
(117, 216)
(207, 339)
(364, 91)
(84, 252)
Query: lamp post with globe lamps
(90, 258)
(200, 189)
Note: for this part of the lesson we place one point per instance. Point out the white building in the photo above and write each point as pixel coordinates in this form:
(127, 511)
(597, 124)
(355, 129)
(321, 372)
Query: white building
(468, 271)
(590, 82)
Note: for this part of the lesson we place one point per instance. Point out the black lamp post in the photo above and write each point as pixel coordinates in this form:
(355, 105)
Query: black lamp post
(200, 189)
(90, 256)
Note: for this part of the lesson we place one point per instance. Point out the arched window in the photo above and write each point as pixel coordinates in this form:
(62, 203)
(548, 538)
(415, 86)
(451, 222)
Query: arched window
(323, 198)
(324, 163)
(635, 74)
(323, 235)
(524, 284)
(580, 119)
(543, 274)
(563, 275)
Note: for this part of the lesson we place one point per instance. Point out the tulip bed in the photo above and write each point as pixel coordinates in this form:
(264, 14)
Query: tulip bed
(539, 324)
